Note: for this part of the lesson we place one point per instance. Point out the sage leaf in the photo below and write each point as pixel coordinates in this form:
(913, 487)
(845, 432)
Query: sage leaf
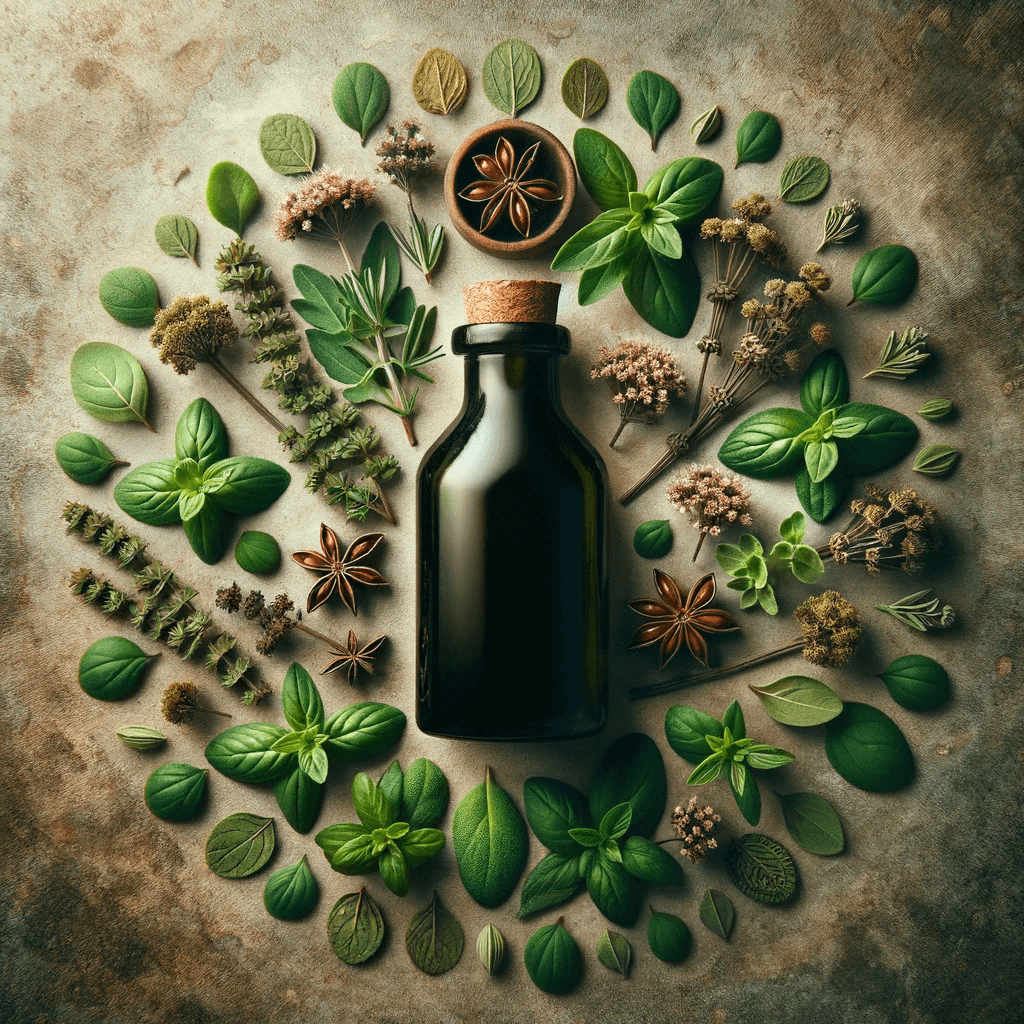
(490, 947)
(936, 460)
(886, 437)
(300, 699)
(584, 87)
(141, 737)
(291, 892)
(553, 809)
(244, 753)
(820, 500)
(653, 539)
(867, 748)
(177, 236)
(917, 682)
(129, 295)
(490, 843)
(553, 959)
(287, 144)
(174, 791)
(665, 293)
(717, 913)
(299, 798)
(553, 881)
(615, 892)
(766, 445)
(439, 82)
(653, 101)
(650, 863)
(258, 553)
(632, 771)
(512, 76)
(240, 845)
(604, 169)
(758, 138)
(825, 385)
(434, 939)
(108, 383)
(812, 823)
(686, 730)
(355, 927)
(112, 668)
(761, 868)
(804, 178)
(799, 700)
(85, 459)
(231, 195)
(614, 951)
(668, 937)
(362, 730)
(361, 96)
(884, 276)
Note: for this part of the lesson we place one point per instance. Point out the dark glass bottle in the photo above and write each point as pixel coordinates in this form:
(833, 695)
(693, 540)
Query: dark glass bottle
(512, 609)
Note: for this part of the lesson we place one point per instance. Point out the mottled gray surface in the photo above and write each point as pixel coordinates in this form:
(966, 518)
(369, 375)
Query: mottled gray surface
(113, 115)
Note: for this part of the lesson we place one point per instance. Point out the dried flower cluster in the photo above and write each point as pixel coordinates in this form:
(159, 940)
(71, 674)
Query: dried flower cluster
(273, 619)
(830, 628)
(642, 376)
(192, 331)
(181, 703)
(405, 153)
(324, 207)
(694, 826)
(711, 499)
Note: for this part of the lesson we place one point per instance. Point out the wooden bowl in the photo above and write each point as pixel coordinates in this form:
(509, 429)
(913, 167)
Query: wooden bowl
(548, 219)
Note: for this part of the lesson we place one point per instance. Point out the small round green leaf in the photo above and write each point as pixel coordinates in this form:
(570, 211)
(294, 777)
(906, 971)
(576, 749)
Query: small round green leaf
(174, 791)
(291, 892)
(884, 276)
(799, 700)
(434, 939)
(512, 76)
(761, 868)
(361, 96)
(355, 927)
(717, 913)
(917, 682)
(129, 295)
(231, 195)
(804, 178)
(108, 383)
(112, 668)
(584, 87)
(653, 539)
(813, 823)
(240, 845)
(258, 552)
(668, 937)
(177, 236)
(758, 138)
(614, 951)
(867, 748)
(86, 459)
(553, 960)
(288, 144)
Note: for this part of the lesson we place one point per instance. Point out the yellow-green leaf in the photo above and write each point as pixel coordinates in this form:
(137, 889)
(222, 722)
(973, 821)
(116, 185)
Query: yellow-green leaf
(439, 84)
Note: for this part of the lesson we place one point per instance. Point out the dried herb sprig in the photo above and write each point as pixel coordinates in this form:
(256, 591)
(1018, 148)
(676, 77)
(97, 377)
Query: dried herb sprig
(711, 500)
(181, 703)
(902, 354)
(642, 376)
(694, 825)
(895, 529)
(164, 609)
(830, 632)
(841, 221)
(920, 612)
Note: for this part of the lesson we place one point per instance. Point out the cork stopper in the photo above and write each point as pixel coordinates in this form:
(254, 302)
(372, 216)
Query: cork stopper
(510, 302)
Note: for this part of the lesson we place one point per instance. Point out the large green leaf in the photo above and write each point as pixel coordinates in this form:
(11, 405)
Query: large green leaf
(299, 798)
(362, 730)
(150, 494)
(108, 383)
(244, 484)
(686, 729)
(553, 959)
(175, 791)
(820, 500)
(886, 438)
(231, 195)
(653, 101)
(604, 169)
(300, 699)
(361, 96)
(553, 881)
(825, 384)
(512, 76)
(867, 748)
(291, 892)
(240, 845)
(688, 185)
(767, 444)
(244, 753)
(200, 435)
(552, 808)
(112, 668)
(615, 892)
(631, 771)
(204, 532)
(666, 293)
(599, 242)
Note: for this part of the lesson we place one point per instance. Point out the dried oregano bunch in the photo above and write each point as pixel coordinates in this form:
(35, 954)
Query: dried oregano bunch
(694, 824)
(342, 458)
(163, 610)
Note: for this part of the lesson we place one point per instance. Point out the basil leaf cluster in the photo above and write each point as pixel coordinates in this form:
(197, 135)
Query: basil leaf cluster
(826, 443)
(601, 842)
(720, 748)
(635, 240)
(201, 484)
(379, 841)
(298, 759)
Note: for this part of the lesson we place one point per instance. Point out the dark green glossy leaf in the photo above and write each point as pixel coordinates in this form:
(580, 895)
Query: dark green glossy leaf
(552, 809)
(686, 729)
(85, 459)
(108, 383)
(243, 484)
(231, 195)
(758, 138)
(685, 187)
(615, 892)
(813, 823)
(288, 144)
(434, 939)
(419, 796)
(584, 87)
(717, 913)
(439, 83)
(867, 748)
(799, 700)
(553, 960)
(761, 868)
(291, 892)
(299, 798)
(512, 76)
(616, 821)
(553, 881)
(804, 178)
(668, 937)
(649, 862)
(614, 951)
(112, 668)
(666, 293)
(884, 276)
(244, 753)
(653, 539)
(355, 927)
(300, 699)
(887, 436)
(822, 499)
(749, 800)
(200, 435)
(766, 444)
(825, 384)
(631, 770)
(917, 682)
(240, 845)
(604, 169)
(258, 553)
(175, 791)
(177, 236)
(129, 295)
(362, 730)
(421, 844)
(653, 101)
(361, 96)
(394, 871)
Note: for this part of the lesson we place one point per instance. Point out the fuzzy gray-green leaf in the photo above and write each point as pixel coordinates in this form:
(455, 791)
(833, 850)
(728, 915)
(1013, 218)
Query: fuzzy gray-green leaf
(512, 76)
(434, 939)
(109, 384)
(355, 927)
(240, 845)
(804, 178)
(717, 913)
(288, 144)
(584, 87)
(799, 700)
(177, 236)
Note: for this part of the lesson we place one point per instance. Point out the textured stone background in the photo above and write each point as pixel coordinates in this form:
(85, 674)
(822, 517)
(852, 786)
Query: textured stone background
(113, 115)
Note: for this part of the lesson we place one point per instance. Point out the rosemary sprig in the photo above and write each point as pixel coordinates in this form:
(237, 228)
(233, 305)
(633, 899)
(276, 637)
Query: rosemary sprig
(841, 221)
(902, 354)
(919, 612)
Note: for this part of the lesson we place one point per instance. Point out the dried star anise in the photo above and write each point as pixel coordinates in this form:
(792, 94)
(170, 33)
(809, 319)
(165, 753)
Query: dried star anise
(676, 620)
(352, 658)
(338, 572)
(503, 189)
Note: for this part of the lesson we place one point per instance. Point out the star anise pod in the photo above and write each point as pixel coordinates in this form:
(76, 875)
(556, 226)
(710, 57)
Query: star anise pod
(352, 658)
(675, 620)
(503, 189)
(337, 571)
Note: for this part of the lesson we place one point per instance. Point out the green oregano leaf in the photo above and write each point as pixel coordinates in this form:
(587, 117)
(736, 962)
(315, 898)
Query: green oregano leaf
(653, 101)
(799, 700)
(584, 87)
(665, 292)
(512, 76)
(804, 178)
(439, 84)
(813, 823)
(758, 138)
(361, 96)
(240, 845)
(177, 236)
(129, 295)
(231, 195)
(605, 170)
(653, 539)
(174, 791)
(434, 939)
(717, 913)
(884, 276)
(614, 951)
(917, 682)
(867, 748)
(553, 881)
(553, 959)
(257, 552)
(288, 144)
(668, 937)
(112, 668)
(86, 459)
(355, 927)
(761, 868)
(291, 892)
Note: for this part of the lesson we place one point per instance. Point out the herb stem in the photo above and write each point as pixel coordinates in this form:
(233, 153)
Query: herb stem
(623, 420)
(700, 541)
(258, 406)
